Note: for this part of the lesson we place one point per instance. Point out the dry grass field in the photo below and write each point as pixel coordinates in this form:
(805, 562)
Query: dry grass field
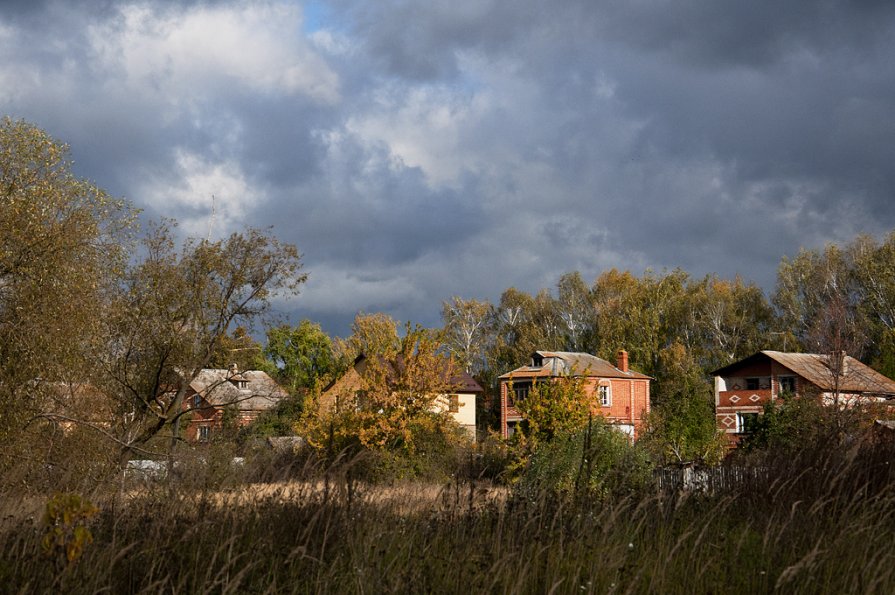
(818, 523)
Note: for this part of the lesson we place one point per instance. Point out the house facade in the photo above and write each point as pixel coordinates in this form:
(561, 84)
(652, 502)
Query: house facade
(460, 402)
(618, 393)
(214, 392)
(743, 388)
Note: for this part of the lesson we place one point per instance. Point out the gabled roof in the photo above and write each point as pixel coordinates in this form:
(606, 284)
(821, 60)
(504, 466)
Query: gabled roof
(568, 363)
(815, 368)
(464, 383)
(218, 387)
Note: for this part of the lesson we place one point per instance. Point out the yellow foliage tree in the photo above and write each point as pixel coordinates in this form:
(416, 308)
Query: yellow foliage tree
(556, 407)
(395, 409)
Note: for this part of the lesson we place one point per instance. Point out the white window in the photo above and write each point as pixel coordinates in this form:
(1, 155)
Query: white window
(746, 422)
(203, 433)
(605, 395)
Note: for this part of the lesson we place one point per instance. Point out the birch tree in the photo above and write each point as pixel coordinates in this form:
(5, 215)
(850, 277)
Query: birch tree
(467, 330)
(575, 311)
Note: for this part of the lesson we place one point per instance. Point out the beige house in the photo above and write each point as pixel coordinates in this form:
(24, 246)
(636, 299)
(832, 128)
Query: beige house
(460, 403)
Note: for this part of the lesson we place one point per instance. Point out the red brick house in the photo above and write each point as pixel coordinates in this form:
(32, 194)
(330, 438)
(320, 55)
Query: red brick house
(743, 388)
(247, 394)
(619, 393)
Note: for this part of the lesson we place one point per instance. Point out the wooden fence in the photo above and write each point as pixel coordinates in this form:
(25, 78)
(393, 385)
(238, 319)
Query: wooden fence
(709, 480)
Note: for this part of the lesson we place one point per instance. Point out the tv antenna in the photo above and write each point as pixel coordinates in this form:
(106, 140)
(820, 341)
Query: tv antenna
(211, 220)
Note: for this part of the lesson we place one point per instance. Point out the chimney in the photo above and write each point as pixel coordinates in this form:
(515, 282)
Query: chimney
(622, 360)
(234, 369)
(838, 363)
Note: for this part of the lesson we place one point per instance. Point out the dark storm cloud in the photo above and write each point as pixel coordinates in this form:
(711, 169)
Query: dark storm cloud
(797, 98)
(730, 33)
(415, 150)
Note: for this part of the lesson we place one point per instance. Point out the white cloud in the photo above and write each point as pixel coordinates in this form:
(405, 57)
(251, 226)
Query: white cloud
(208, 49)
(338, 290)
(331, 42)
(423, 127)
(189, 190)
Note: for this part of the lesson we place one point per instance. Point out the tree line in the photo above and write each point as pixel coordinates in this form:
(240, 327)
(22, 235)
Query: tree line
(830, 299)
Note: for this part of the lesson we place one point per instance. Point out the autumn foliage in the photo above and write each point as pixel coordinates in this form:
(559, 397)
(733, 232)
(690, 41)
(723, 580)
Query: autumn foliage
(392, 415)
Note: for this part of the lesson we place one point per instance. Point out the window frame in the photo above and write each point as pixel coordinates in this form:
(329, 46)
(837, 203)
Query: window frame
(454, 403)
(789, 380)
(520, 391)
(605, 393)
(746, 421)
(203, 433)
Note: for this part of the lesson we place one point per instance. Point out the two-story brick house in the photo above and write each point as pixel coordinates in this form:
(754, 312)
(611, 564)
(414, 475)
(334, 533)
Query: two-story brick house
(743, 388)
(619, 393)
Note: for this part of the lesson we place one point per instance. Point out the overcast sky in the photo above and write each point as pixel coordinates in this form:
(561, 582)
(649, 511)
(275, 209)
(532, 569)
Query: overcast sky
(415, 150)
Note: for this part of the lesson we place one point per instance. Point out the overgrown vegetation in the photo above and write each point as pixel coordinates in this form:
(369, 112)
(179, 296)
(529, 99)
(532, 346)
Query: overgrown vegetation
(390, 416)
(817, 523)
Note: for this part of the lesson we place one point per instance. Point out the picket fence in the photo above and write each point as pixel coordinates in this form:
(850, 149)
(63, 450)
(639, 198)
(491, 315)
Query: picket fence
(708, 480)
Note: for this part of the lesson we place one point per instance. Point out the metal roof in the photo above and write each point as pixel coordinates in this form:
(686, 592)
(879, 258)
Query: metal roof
(815, 368)
(568, 363)
(217, 386)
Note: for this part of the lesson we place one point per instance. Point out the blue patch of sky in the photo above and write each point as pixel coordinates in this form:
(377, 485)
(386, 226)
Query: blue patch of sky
(317, 16)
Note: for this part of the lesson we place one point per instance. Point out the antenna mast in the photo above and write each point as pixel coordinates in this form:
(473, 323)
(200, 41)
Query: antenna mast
(211, 220)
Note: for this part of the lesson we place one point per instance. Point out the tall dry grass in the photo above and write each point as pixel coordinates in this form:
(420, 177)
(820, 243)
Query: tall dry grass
(818, 523)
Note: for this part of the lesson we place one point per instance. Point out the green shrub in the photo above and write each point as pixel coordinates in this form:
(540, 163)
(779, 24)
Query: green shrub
(596, 462)
(279, 421)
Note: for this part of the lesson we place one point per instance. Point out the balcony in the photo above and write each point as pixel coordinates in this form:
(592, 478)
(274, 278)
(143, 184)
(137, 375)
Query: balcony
(744, 397)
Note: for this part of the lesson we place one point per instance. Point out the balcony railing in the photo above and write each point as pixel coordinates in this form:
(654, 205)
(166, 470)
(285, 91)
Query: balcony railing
(743, 397)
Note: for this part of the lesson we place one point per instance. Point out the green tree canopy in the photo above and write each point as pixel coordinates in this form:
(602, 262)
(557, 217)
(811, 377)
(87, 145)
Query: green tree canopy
(555, 407)
(682, 428)
(302, 355)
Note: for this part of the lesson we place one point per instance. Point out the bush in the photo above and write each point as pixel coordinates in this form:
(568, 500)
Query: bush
(384, 447)
(493, 458)
(597, 462)
(795, 424)
(279, 421)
